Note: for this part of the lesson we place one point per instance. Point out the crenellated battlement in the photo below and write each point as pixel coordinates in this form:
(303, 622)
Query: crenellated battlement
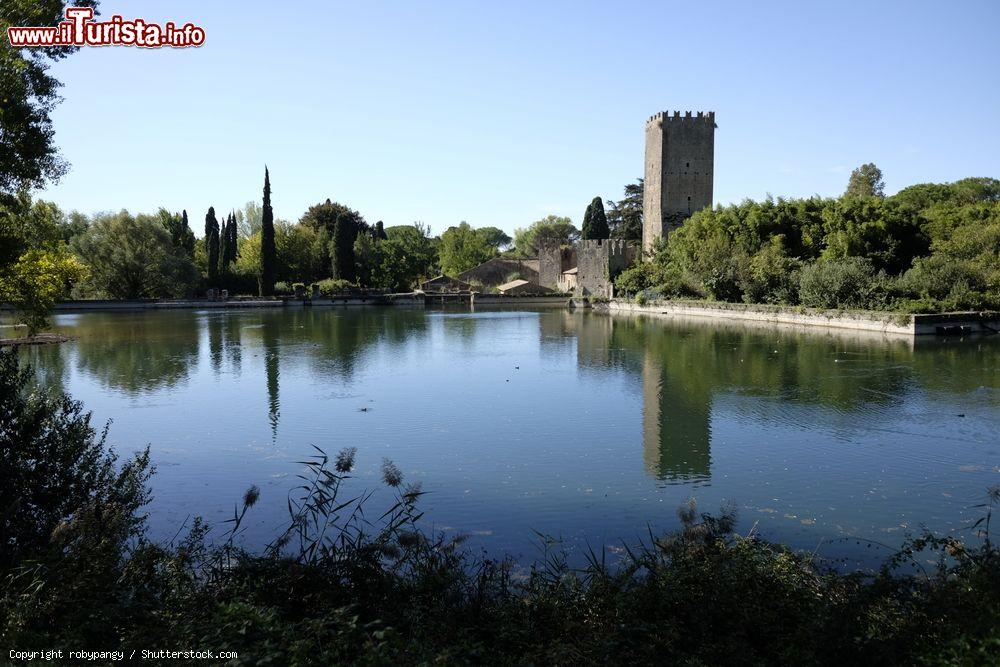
(613, 247)
(675, 116)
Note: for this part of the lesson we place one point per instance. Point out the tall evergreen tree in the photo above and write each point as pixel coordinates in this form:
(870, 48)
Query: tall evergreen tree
(586, 224)
(342, 249)
(268, 253)
(227, 245)
(595, 221)
(233, 239)
(380, 234)
(223, 250)
(212, 246)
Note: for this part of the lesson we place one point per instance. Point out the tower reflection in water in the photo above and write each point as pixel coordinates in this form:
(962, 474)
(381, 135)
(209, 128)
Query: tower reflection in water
(676, 423)
(677, 396)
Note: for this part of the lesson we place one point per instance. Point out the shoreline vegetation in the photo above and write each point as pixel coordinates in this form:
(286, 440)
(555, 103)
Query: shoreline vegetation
(337, 586)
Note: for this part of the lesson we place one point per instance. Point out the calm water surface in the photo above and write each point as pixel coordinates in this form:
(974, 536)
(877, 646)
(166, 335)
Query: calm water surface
(579, 425)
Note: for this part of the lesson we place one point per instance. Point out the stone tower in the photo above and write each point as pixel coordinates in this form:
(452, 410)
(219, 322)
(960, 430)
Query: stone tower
(679, 170)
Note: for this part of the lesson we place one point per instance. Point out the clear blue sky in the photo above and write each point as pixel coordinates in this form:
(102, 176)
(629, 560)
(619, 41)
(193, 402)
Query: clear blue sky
(500, 113)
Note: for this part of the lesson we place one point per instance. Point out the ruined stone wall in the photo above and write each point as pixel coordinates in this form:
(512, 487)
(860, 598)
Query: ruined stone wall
(679, 170)
(599, 261)
(553, 259)
(549, 264)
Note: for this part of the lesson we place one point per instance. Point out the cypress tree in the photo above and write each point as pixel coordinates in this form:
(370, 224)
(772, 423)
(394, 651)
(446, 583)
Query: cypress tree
(223, 250)
(268, 254)
(585, 227)
(233, 239)
(212, 246)
(228, 244)
(380, 234)
(336, 250)
(599, 228)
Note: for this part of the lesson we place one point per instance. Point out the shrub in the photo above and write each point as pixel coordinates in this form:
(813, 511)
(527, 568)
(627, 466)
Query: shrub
(637, 278)
(332, 286)
(281, 288)
(772, 276)
(953, 284)
(836, 283)
(721, 267)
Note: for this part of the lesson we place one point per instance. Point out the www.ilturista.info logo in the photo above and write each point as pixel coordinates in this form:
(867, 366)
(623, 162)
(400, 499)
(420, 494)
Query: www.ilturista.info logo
(79, 29)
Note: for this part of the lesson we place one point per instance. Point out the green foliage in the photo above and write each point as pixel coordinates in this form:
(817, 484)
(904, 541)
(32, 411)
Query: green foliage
(836, 284)
(177, 226)
(329, 216)
(133, 258)
(865, 181)
(59, 477)
(638, 278)
(595, 222)
(463, 248)
(772, 276)
(495, 237)
(872, 252)
(550, 229)
(28, 154)
(36, 267)
(331, 286)
(268, 251)
(625, 216)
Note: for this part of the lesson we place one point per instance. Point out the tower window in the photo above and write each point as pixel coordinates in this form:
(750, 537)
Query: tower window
(687, 164)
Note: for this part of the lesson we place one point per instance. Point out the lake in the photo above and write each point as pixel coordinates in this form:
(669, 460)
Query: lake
(588, 427)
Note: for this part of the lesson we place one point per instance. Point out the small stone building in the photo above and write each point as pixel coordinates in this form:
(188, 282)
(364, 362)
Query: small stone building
(567, 280)
(445, 284)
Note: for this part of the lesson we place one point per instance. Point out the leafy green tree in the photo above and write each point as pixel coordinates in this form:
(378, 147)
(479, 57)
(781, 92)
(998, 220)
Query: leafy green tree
(268, 254)
(303, 253)
(328, 215)
(551, 228)
(36, 267)
(595, 222)
(625, 216)
(462, 248)
(76, 223)
(134, 258)
(495, 237)
(180, 232)
(249, 219)
(367, 260)
(866, 181)
(28, 154)
(409, 254)
(212, 247)
(875, 229)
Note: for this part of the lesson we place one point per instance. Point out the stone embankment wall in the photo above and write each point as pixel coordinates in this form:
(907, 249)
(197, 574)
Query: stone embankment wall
(890, 323)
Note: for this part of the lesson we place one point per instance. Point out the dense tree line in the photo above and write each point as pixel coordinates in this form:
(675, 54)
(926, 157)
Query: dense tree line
(929, 247)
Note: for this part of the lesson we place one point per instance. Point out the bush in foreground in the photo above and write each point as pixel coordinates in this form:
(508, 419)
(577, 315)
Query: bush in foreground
(337, 588)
